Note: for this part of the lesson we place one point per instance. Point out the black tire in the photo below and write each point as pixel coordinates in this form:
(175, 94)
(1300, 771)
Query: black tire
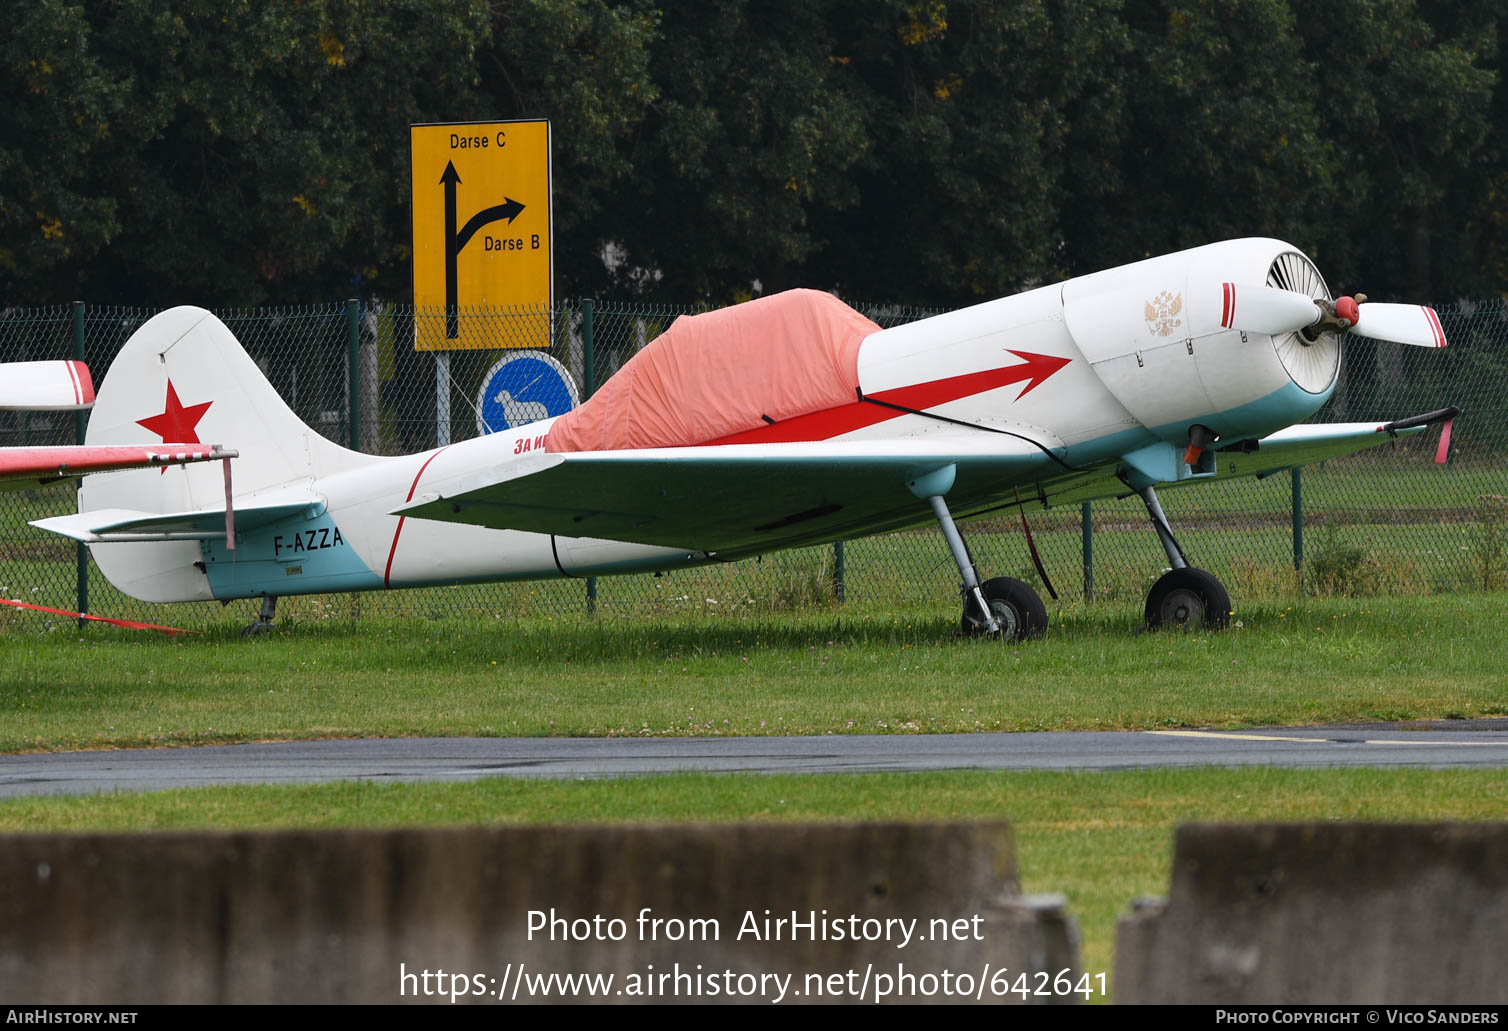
(1188, 599)
(1016, 607)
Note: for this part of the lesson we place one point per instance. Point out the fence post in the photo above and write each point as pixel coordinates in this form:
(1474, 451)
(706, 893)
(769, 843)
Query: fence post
(353, 371)
(840, 586)
(1297, 488)
(80, 426)
(1086, 525)
(588, 387)
(588, 362)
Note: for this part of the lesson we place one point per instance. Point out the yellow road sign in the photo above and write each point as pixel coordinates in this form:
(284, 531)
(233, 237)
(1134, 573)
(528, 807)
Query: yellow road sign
(482, 224)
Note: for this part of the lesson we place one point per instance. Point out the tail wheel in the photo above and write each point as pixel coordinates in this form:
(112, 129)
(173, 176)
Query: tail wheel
(1016, 607)
(1187, 599)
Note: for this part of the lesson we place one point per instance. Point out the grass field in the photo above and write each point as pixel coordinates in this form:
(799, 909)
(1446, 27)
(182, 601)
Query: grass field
(750, 669)
(850, 670)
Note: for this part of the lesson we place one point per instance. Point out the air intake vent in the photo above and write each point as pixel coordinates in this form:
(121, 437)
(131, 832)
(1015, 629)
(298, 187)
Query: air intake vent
(1313, 364)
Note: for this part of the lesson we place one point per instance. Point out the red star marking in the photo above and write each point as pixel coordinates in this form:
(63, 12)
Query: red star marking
(176, 423)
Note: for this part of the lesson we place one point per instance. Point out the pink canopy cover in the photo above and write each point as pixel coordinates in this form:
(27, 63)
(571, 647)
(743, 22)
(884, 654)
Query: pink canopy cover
(725, 372)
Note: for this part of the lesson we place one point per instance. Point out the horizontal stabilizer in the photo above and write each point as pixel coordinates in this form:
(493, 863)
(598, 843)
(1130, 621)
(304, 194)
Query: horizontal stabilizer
(731, 499)
(120, 524)
(45, 386)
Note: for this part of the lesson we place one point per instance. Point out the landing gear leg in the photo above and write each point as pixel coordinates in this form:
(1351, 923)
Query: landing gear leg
(1184, 597)
(263, 625)
(1001, 607)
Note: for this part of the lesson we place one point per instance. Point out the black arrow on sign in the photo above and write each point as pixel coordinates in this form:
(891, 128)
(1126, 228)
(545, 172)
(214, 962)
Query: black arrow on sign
(456, 240)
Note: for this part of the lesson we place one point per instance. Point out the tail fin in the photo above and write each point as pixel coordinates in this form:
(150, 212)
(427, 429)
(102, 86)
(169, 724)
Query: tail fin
(184, 378)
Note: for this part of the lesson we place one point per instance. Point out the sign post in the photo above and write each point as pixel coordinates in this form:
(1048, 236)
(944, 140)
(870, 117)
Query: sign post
(483, 225)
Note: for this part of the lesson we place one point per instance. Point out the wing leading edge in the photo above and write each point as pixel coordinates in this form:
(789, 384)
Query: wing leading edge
(733, 499)
(743, 499)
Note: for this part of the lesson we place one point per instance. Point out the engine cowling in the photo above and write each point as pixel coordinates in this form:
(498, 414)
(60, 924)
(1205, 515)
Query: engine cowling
(1166, 338)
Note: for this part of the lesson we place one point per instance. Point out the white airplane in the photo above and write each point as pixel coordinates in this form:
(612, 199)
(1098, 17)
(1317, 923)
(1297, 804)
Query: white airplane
(63, 386)
(787, 421)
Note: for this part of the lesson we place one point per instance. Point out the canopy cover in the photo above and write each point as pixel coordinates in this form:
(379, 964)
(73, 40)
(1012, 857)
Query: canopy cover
(725, 372)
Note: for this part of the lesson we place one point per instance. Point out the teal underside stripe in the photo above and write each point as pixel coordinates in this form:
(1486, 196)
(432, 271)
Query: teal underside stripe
(291, 556)
(1281, 408)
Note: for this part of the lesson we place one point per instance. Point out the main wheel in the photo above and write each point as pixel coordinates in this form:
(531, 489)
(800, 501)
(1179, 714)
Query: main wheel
(1016, 607)
(1188, 599)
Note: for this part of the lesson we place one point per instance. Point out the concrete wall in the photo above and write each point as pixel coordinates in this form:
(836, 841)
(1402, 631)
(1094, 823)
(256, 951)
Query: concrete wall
(1324, 913)
(329, 916)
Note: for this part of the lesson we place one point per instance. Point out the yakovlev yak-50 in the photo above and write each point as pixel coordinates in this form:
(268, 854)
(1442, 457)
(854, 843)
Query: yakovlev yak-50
(786, 421)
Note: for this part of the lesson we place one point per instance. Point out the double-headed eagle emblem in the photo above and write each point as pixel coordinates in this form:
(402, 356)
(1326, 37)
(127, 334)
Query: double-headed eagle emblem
(1162, 313)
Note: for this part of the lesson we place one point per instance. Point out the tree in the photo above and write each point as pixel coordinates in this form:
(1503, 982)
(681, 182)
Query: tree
(969, 109)
(755, 125)
(1219, 137)
(61, 110)
(1407, 98)
(584, 65)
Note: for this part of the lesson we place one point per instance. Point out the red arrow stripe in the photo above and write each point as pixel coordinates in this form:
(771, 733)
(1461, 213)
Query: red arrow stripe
(834, 422)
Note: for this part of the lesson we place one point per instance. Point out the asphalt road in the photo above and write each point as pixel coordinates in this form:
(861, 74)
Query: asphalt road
(1438, 744)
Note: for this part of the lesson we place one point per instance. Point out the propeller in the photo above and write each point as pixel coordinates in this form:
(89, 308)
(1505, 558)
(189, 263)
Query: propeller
(1415, 324)
(1270, 310)
(1266, 309)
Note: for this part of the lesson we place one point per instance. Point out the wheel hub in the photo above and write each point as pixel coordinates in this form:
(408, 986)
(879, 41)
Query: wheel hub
(1006, 616)
(1184, 608)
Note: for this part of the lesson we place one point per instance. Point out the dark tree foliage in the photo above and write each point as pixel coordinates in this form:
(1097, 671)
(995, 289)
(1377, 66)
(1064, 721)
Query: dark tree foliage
(933, 152)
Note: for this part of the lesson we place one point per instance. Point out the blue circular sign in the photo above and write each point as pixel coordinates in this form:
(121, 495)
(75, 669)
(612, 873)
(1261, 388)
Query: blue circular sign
(522, 388)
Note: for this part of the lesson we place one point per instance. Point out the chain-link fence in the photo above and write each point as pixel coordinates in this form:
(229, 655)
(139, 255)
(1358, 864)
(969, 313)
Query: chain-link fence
(1389, 520)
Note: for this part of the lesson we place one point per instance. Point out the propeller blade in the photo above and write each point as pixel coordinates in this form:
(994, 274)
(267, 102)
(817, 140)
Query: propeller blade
(1400, 323)
(1264, 309)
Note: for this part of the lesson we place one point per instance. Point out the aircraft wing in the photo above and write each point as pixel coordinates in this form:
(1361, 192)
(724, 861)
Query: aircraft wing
(56, 386)
(22, 468)
(1304, 444)
(1308, 443)
(743, 499)
(732, 499)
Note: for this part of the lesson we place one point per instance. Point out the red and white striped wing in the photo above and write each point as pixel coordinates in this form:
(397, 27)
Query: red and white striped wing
(45, 386)
(22, 467)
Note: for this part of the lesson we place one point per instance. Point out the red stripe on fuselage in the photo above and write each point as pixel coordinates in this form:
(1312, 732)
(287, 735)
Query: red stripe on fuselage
(387, 574)
(834, 422)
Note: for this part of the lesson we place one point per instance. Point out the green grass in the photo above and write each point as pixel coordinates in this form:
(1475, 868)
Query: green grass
(850, 670)
(1100, 838)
